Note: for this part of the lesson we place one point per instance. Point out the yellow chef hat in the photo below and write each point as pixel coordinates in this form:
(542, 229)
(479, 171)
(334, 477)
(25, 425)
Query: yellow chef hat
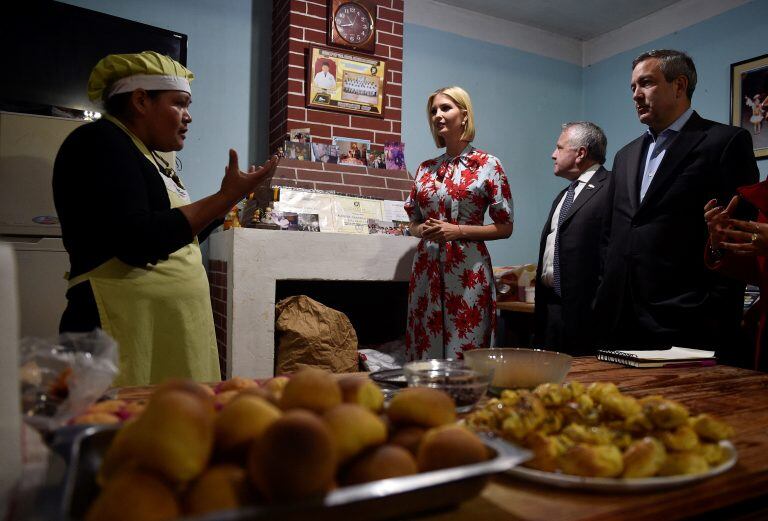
(118, 73)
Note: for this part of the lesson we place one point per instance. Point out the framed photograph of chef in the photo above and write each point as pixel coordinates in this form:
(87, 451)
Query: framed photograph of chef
(749, 100)
(346, 82)
(325, 75)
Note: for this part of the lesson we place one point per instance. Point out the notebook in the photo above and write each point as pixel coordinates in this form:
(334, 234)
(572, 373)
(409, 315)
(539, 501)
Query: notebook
(672, 357)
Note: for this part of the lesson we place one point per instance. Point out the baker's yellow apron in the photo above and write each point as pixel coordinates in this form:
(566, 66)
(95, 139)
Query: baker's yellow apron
(160, 315)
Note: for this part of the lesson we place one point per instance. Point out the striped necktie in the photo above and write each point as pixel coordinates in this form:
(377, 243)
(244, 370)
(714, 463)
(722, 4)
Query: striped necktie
(567, 202)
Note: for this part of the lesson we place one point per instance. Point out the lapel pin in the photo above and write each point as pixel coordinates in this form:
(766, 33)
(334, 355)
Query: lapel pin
(590, 186)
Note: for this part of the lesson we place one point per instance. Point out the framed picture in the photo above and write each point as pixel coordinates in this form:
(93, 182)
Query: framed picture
(352, 151)
(286, 220)
(325, 153)
(295, 150)
(376, 159)
(345, 82)
(309, 222)
(394, 155)
(299, 135)
(749, 100)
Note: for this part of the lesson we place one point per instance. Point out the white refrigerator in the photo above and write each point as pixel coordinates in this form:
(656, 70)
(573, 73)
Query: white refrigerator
(28, 147)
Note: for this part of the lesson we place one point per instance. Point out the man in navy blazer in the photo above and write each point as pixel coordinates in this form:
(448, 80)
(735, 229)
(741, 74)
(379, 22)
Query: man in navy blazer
(569, 250)
(656, 290)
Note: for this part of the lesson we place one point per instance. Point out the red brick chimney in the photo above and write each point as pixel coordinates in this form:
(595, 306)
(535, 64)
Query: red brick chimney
(297, 24)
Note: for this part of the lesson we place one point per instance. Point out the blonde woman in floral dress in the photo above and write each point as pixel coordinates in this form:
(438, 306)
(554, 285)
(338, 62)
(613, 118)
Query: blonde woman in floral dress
(452, 301)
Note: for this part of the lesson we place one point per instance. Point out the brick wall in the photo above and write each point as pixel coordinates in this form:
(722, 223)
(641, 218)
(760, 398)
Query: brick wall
(217, 280)
(297, 24)
(347, 179)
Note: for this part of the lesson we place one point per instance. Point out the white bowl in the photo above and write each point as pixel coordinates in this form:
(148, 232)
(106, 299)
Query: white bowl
(520, 368)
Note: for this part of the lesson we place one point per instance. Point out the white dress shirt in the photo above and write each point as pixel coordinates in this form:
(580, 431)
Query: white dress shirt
(325, 80)
(548, 259)
(657, 149)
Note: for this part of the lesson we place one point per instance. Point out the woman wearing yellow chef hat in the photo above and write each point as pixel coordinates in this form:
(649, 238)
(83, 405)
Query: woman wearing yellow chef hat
(130, 228)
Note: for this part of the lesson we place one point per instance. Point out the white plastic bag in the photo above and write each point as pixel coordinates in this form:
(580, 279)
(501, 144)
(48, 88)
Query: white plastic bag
(61, 378)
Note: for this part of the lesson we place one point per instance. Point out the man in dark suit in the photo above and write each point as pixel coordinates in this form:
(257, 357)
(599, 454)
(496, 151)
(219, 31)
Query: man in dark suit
(656, 290)
(569, 250)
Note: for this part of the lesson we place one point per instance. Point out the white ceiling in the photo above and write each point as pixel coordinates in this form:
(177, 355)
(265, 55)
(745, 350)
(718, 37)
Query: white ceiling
(579, 19)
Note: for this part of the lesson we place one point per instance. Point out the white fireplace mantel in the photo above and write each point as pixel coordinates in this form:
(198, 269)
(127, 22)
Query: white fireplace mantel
(256, 259)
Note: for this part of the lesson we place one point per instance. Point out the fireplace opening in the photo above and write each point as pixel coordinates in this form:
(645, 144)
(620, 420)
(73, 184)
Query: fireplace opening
(376, 309)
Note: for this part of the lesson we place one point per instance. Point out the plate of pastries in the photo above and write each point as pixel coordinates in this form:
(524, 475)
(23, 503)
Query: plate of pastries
(597, 438)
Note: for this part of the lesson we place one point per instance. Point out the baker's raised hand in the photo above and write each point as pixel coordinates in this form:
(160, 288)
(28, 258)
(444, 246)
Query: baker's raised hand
(236, 183)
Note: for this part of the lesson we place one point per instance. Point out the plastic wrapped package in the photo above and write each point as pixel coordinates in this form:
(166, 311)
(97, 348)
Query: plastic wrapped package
(379, 357)
(61, 378)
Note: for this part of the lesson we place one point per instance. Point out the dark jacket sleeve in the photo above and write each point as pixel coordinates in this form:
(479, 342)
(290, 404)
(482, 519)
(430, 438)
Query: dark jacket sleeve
(739, 168)
(112, 202)
(605, 231)
(203, 235)
(142, 216)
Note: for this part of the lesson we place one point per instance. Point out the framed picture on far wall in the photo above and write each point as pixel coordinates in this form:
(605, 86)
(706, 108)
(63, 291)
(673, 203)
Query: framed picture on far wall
(345, 82)
(749, 100)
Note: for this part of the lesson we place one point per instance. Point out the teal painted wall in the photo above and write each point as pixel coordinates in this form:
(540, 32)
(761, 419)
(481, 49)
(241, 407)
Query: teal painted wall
(714, 44)
(228, 50)
(520, 100)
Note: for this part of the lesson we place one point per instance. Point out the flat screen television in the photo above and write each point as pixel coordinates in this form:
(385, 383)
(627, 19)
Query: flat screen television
(49, 49)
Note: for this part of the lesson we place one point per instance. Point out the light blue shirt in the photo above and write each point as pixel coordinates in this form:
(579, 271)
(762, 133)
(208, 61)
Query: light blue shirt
(657, 149)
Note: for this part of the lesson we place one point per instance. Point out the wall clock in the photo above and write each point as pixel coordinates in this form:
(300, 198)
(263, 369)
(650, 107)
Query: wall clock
(352, 24)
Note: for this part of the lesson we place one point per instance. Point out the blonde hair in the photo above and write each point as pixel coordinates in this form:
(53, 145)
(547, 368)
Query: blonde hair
(461, 98)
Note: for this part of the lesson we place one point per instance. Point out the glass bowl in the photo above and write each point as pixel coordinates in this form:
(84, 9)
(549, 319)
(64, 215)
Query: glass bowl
(433, 364)
(465, 385)
(519, 368)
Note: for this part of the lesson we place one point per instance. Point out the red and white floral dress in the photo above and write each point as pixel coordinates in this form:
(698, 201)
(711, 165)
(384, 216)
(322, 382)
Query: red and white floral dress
(451, 296)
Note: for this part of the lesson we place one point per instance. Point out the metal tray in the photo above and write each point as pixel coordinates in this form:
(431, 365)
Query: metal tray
(385, 499)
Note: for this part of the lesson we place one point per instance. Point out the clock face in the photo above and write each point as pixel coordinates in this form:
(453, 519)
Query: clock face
(353, 23)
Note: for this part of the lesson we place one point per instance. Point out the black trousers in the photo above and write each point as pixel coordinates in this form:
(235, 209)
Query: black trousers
(554, 329)
(81, 314)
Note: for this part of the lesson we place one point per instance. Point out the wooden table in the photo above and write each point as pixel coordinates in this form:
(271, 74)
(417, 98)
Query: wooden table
(520, 307)
(738, 396)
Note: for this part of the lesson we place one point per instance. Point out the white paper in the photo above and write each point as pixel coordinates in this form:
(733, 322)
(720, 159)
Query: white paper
(673, 353)
(352, 213)
(299, 201)
(393, 211)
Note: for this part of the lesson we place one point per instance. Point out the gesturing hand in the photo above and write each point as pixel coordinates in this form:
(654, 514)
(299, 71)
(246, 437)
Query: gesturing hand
(440, 231)
(236, 183)
(718, 220)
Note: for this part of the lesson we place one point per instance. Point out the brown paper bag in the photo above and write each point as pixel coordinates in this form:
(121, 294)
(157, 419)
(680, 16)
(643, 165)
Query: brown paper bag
(310, 333)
